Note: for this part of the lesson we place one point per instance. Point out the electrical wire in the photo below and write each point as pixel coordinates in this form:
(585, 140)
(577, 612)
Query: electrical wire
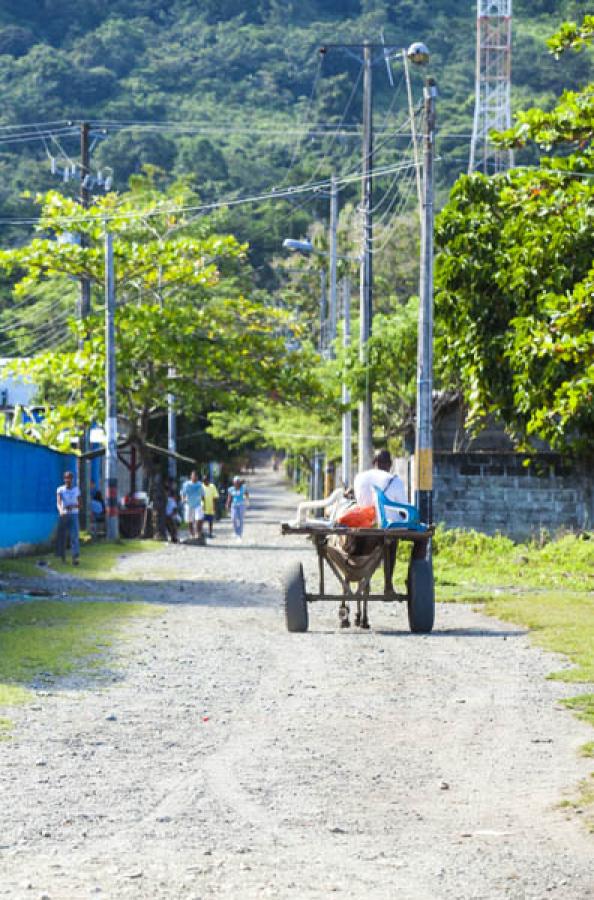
(21, 126)
(387, 236)
(298, 143)
(401, 198)
(34, 137)
(392, 184)
(23, 318)
(44, 328)
(221, 204)
(342, 118)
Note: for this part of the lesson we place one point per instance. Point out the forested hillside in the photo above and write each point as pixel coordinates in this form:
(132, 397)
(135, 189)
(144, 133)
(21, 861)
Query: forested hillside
(236, 97)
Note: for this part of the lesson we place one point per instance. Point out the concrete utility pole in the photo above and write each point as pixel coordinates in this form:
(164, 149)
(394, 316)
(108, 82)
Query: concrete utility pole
(84, 309)
(366, 272)
(85, 199)
(111, 413)
(347, 447)
(323, 328)
(171, 432)
(424, 411)
(171, 414)
(333, 258)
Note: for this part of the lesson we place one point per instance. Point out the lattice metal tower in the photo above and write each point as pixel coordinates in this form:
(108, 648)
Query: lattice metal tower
(492, 109)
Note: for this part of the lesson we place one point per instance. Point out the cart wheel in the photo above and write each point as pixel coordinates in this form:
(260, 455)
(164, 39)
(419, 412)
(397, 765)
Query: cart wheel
(296, 614)
(421, 596)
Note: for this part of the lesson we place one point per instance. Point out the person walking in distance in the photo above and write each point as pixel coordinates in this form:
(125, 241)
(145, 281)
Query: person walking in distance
(211, 496)
(192, 494)
(68, 503)
(237, 498)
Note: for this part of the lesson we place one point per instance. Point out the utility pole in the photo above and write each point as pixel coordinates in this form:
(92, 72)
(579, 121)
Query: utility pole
(333, 257)
(171, 431)
(85, 199)
(84, 308)
(366, 273)
(111, 413)
(323, 328)
(418, 54)
(171, 416)
(424, 410)
(347, 447)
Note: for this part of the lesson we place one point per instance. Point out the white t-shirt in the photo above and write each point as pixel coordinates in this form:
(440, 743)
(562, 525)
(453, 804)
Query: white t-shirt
(363, 487)
(69, 497)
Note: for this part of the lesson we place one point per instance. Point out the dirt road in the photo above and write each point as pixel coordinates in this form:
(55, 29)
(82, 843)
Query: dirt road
(228, 758)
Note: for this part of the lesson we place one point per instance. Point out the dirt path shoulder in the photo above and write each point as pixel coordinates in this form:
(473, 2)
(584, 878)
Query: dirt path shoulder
(228, 758)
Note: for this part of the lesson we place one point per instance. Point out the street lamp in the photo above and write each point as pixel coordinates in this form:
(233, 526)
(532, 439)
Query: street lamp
(300, 246)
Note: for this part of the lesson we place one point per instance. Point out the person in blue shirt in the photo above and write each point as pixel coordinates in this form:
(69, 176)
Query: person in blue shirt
(237, 498)
(192, 494)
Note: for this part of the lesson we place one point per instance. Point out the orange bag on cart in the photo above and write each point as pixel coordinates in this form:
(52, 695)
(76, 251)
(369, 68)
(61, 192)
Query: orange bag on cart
(358, 517)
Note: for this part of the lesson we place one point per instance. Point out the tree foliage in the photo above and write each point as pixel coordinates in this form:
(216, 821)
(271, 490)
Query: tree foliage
(184, 323)
(515, 297)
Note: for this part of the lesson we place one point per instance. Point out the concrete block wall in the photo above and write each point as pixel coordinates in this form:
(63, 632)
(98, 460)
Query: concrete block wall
(496, 491)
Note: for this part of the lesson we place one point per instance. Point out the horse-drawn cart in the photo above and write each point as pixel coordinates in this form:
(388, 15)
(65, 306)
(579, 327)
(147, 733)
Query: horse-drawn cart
(353, 555)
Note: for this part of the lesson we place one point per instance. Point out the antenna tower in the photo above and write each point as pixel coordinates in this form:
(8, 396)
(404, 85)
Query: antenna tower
(492, 107)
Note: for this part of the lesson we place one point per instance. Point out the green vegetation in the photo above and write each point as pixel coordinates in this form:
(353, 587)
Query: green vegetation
(214, 92)
(515, 282)
(473, 566)
(52, 638)
(97, 560)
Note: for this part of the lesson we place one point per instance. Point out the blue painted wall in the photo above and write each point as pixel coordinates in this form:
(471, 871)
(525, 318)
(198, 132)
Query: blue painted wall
(29, 476)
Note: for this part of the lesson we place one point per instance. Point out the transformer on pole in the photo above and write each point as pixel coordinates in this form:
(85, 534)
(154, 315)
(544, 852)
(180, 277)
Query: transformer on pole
(492, 109)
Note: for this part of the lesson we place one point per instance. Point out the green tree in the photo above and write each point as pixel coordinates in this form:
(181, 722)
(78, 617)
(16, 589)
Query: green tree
(184, 324)
(514, 276)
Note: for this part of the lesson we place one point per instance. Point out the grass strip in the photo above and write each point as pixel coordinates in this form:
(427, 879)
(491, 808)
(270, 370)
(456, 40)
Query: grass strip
(469, 564)
(54, 638)
(97, 560)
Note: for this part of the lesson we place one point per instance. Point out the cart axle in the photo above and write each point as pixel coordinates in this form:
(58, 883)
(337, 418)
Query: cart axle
(385, 598)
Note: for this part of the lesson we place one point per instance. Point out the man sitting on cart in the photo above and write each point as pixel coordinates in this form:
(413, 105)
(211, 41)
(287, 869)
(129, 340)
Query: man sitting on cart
(379, 476)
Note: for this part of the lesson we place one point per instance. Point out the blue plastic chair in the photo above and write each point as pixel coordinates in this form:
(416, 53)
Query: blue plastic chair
(392, 514)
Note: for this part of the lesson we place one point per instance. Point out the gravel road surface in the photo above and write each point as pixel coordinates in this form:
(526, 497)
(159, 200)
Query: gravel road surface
(225, 757)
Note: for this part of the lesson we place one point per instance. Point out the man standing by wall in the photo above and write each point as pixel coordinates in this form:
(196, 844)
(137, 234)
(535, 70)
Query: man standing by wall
(68, 503)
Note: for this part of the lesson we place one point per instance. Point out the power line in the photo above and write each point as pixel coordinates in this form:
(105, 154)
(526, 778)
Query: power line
(298, 144)
(207, 207)
(342, 118)
(22, 126)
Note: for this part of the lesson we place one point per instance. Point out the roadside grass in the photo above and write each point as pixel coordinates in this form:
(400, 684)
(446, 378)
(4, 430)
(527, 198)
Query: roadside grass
(50, 639)
(469, 564)
(97, 560)
(547, 587)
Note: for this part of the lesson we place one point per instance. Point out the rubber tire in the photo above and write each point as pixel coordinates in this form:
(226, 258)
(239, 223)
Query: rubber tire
(421, 596)
(296, 613)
